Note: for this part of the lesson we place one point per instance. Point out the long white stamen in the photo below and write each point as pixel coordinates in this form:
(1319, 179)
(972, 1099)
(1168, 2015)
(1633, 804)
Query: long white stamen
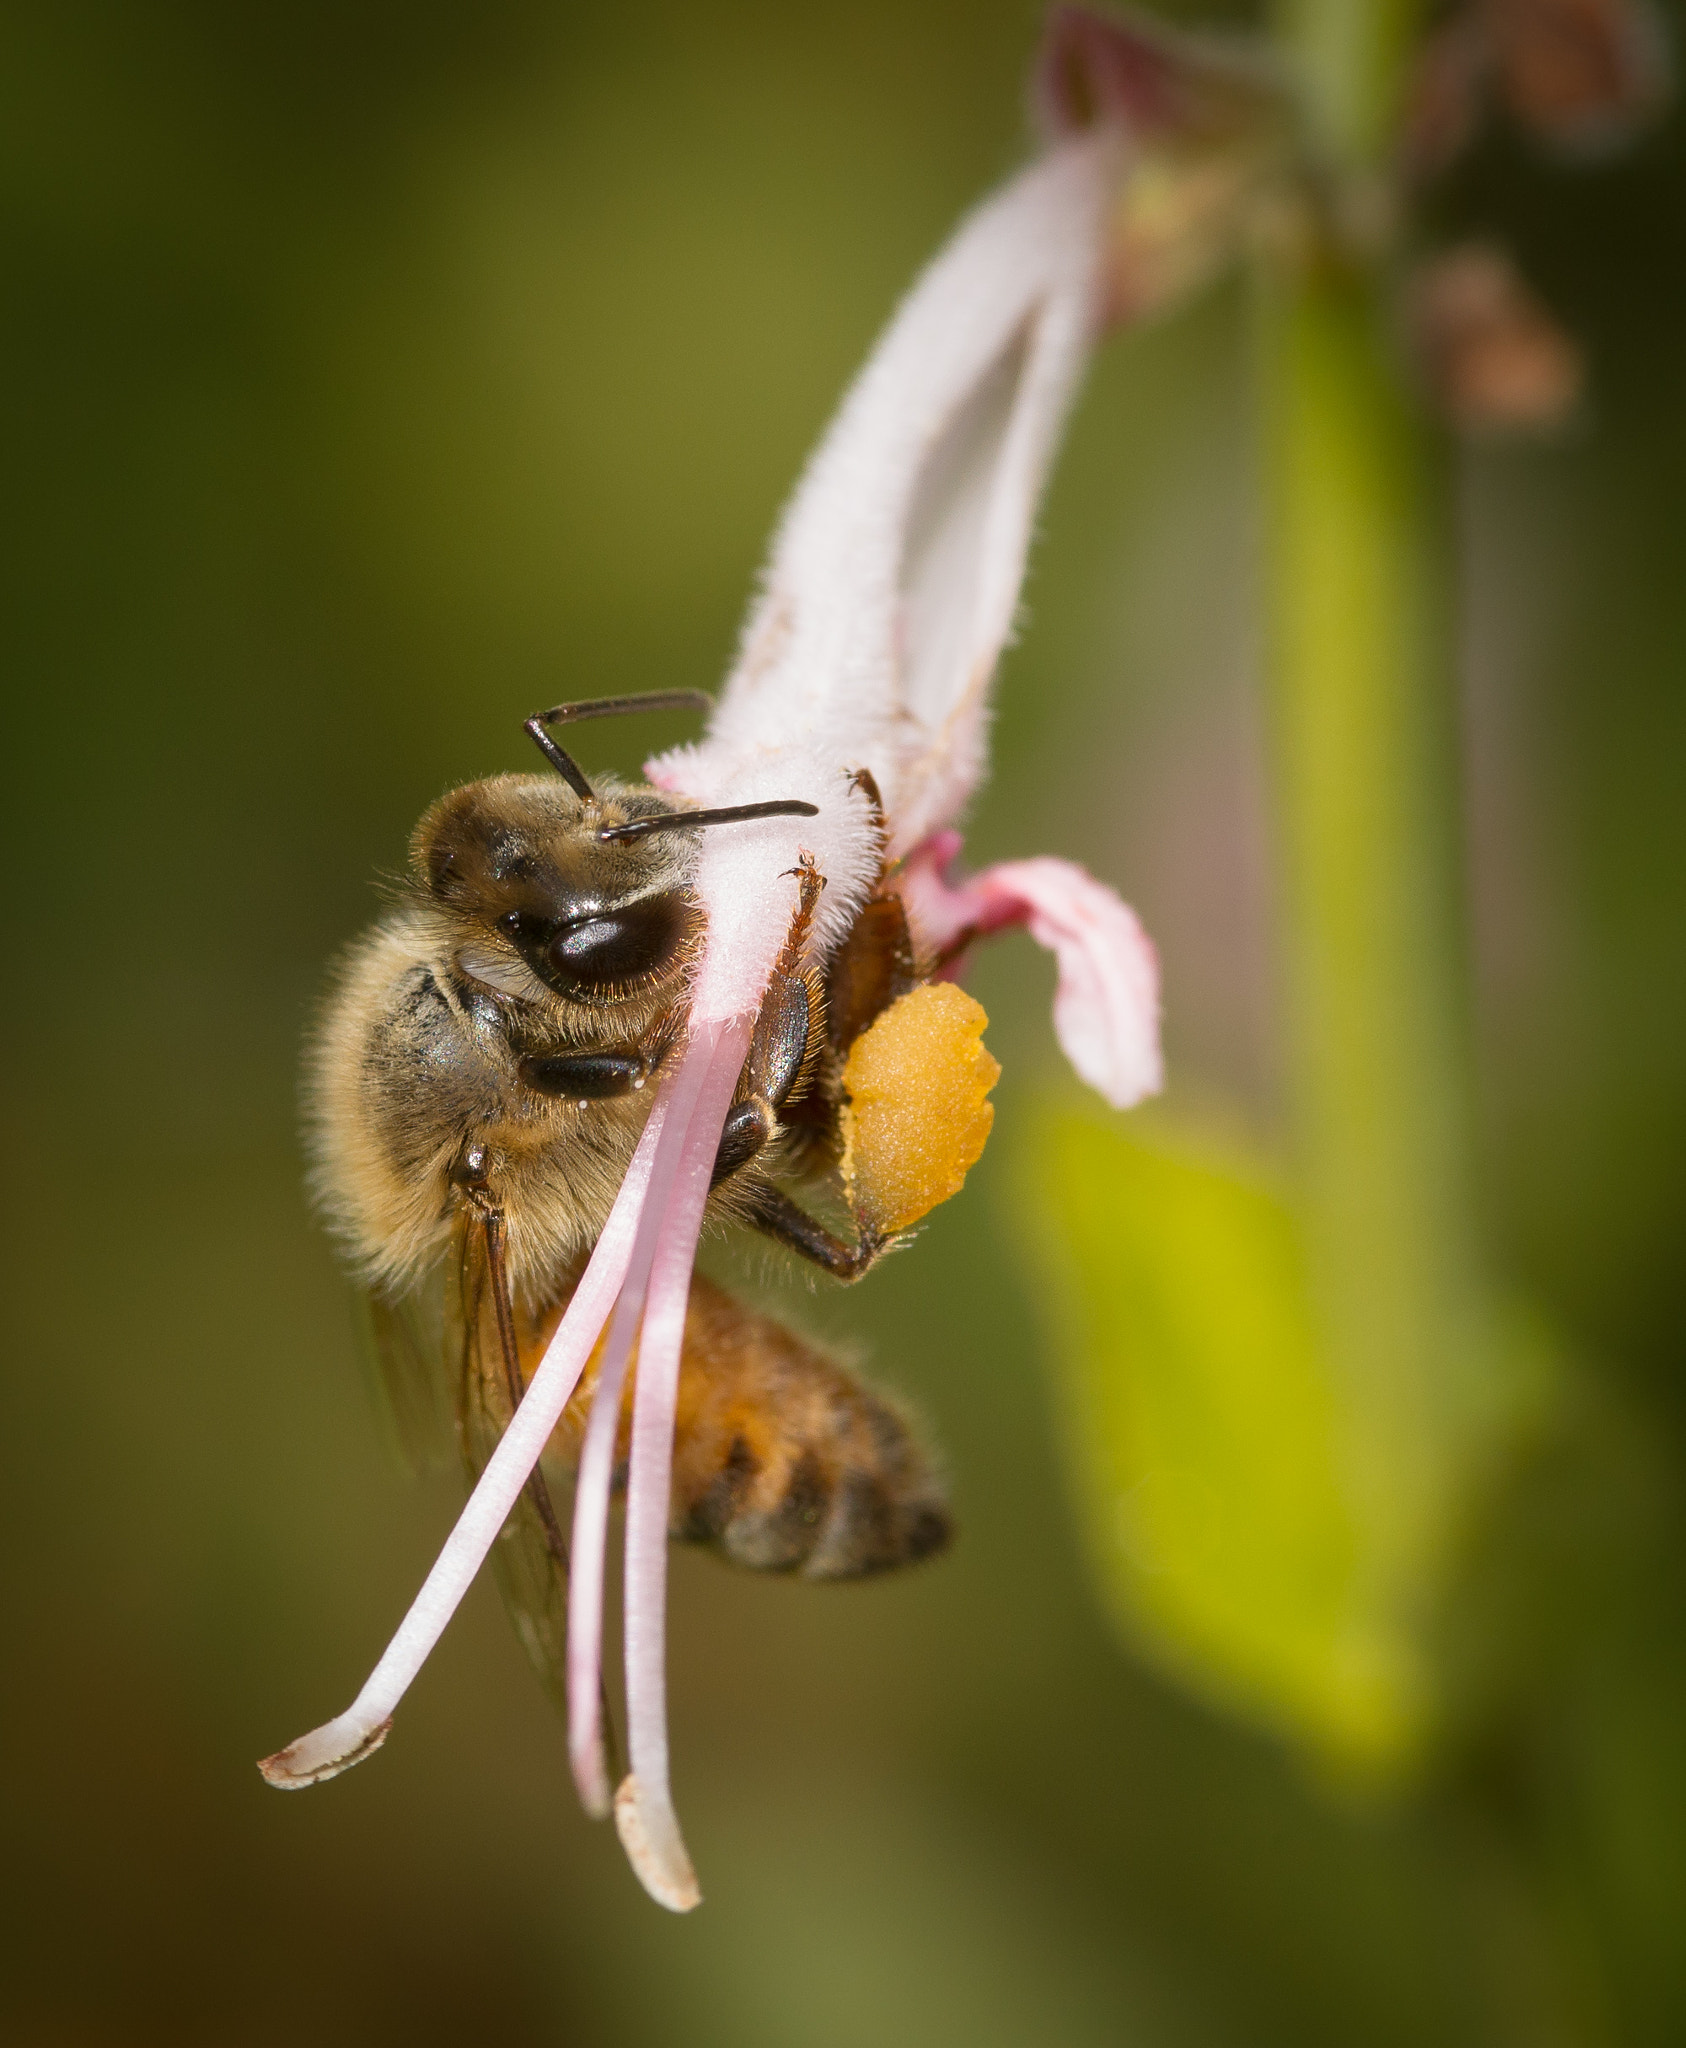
(361, 1729)
(590, 1543)
(597, 1458)
(649, 1828)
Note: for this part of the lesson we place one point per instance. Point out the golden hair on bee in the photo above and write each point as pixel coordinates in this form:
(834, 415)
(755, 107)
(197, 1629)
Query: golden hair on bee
(514, 1004)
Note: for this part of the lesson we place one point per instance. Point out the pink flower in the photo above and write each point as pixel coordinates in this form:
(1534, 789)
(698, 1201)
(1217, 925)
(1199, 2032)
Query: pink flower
(892, 587)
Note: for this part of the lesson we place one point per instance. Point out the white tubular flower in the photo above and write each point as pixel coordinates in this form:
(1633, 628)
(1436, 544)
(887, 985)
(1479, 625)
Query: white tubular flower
(892, 588)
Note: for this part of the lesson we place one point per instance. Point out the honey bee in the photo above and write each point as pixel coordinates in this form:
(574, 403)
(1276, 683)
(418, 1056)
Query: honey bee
(476, 1088)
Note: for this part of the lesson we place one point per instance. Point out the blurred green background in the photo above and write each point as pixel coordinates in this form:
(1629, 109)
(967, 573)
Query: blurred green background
(373, 374)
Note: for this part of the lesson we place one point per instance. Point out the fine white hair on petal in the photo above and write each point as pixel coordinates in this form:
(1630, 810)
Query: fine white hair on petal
(895, 574)
(1106, 1004)
(356, 1733)
(746, 874)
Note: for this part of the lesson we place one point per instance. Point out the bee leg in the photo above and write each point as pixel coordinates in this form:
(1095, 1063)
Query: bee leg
(471, 1177)
(748, 1132)
(777, 1063)
(790, 1225)
(788, 1034)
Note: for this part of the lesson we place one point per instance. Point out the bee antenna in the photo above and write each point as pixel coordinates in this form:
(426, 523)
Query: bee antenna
(684, 821)
(601, 707)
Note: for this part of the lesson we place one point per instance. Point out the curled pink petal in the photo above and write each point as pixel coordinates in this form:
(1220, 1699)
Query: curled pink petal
(1106, 1005)
(644, 1815)
(360, 1730)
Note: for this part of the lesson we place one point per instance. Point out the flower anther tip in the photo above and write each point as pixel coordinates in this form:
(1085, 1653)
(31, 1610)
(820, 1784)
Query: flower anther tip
(650, 1836)
(323, 1753)
(597, 1802)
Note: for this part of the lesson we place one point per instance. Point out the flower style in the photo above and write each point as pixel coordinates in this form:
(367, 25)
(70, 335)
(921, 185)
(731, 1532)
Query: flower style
(891, 590)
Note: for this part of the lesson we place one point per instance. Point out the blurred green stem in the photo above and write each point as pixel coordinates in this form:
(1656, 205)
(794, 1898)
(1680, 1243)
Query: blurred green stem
(1360, 669)
(1361, 663)
(1350, 57)
(1359, 673)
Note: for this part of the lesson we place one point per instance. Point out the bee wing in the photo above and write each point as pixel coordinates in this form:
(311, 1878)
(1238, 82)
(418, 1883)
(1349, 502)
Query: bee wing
(404, 1341)
(529, 1557)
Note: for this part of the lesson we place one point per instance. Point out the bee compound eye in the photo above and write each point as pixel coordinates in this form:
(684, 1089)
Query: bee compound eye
(617, 947)
(526, 930)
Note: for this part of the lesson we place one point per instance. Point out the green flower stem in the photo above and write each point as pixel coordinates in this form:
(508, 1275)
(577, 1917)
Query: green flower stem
(1360, 657)
(1351, 57)
(1360, 670)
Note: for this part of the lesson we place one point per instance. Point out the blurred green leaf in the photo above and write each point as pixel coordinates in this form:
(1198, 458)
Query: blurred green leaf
(1219, 1453)
(1208, 1439)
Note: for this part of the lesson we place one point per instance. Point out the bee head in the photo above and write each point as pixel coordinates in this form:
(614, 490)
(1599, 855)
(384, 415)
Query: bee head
(522, 860)
(589, 886)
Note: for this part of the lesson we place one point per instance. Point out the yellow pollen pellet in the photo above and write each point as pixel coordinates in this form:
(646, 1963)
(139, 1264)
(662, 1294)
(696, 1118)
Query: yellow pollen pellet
(915, 1115)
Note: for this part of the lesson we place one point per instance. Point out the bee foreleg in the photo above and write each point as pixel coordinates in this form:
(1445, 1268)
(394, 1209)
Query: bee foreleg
(749, 1130)
(785, 1033)
(781, 1218)
(788, 1034)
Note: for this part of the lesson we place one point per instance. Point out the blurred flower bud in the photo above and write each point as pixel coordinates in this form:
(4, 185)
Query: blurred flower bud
(1160, 85)
(1493, 357)
(1209, 127)
(1581, 76)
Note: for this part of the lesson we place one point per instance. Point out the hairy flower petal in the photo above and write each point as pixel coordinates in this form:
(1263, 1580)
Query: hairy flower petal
(867, 660)
(895, 575)
(596, 1477)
